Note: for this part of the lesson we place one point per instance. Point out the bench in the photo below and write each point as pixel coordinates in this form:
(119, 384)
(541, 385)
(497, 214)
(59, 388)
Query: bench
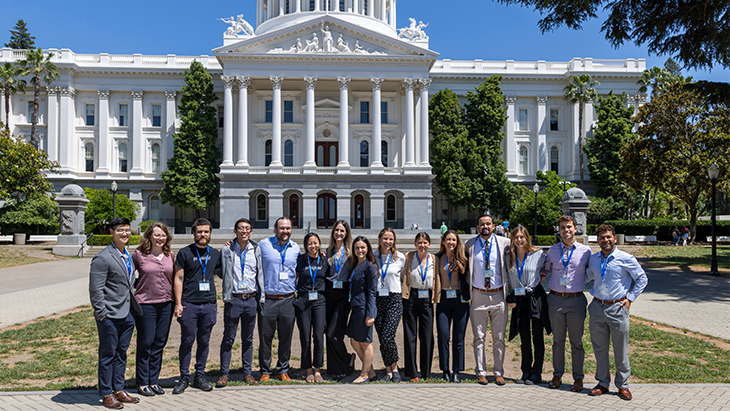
(720, 239)
(640, 239)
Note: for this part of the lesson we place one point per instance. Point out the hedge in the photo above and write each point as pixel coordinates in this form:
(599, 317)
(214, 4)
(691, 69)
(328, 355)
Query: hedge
(546, 240)
(106, 239)
(662, 228)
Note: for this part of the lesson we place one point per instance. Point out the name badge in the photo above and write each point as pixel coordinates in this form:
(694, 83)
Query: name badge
(349, 297)
(422, 293)
(283, 275)
(383, 292)
(520, 291)
(489, 273)
(565, 281)
(203, 286)
(313, 295)
(450, 293)
(337, 284)
(243, 284)
(604, 290)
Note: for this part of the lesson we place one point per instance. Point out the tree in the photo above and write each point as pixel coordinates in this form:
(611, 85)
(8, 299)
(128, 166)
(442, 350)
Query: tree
(20, 37)
(548, 203)
(614, 129)
(38, 65)
(38, 210)
(672, 67)
(11, 84)
(190, 179)
(680, 136)
(24, 168)
(695, 31)
(580, 90)
(99, 211)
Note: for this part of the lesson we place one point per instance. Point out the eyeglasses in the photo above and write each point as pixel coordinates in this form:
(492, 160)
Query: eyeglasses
(159, 235)
(122, 230)
(244, 228)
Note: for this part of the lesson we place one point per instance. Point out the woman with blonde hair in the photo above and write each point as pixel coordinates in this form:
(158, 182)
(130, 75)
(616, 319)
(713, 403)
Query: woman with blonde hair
(528, 301)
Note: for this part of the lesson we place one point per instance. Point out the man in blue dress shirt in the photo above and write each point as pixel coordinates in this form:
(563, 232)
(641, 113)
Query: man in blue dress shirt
(278, 264)
(614, 271)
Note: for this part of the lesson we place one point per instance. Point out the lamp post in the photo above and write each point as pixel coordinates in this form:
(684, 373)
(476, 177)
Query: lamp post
(714, 173)
(536, 189)
(114, 199)
(564, 183)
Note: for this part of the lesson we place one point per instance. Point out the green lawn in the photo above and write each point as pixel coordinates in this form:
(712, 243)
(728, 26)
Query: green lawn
(698, 256)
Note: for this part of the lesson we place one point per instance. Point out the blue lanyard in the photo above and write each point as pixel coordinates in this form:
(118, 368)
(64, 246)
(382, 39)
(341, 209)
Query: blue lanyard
(424, 273)
(283, 253)
(487, 252)
(313, 273)
(338, 261)
(604, 264)
(129, 263)
(383, 273)
(353, 273)
(562, 256)
(520, 270)
(200, 260)
(242, 257)
(448, 267)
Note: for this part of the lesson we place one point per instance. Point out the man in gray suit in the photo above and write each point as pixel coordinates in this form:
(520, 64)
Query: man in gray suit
(488, 280)
(111, 280)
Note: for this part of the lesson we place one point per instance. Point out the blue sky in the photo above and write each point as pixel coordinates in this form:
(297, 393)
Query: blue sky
(459, 30)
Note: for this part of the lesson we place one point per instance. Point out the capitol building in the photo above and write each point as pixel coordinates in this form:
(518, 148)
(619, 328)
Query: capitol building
(322, 115)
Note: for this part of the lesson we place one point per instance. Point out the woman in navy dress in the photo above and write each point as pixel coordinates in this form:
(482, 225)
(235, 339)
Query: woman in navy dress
(363, 285)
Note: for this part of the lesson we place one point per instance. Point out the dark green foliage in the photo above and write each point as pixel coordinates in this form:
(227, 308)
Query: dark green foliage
(24, 168)
(99, 210)
(190, 179)
(36, 213)
(548, 204)
(20, 37)
(662, 227)
(546, 240)
(613, 130)
(106, 239)
(672, 67)
(607, 208)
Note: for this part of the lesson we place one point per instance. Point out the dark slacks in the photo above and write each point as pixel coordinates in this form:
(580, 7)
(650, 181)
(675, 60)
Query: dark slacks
(197, 321)
(153, 328)
(450, 310)
(418, 320)
(338, 309)
(390, 311)
(243, 311)
(531, 337)
(114, 338)
(277, 316)
(311, 321)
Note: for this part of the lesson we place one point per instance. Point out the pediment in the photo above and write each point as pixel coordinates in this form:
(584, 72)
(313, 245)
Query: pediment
(326, 104)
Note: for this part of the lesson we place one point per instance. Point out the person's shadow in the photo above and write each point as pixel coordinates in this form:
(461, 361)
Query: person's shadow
(74, 397)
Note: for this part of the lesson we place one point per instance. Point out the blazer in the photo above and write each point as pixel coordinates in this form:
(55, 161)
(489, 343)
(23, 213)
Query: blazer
(406, 278)
(110, 288)
(363, 288)
(228, 260)
(503, 245)
(464, 279)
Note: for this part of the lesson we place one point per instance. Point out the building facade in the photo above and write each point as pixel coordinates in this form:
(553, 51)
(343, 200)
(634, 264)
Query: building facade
(322, 115)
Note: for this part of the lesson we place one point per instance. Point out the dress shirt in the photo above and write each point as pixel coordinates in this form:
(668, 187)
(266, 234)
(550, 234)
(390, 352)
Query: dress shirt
(495, 262)
(271, 265)
(415, 273)
(621, 270)
(154, 284)
(392, 276)
(531, 272)
(577, 265)
(249, 269)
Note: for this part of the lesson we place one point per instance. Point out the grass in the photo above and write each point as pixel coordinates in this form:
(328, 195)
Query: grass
(698, 256)
(14, 255)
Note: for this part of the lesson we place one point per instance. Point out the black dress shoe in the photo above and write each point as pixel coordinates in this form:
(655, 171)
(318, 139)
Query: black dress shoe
(536, 378)
(446, 376)
(455, 377)
(396, 377)
(523, 380)
(202, 383)
(157, 389)
(181, 385)
(146, 391)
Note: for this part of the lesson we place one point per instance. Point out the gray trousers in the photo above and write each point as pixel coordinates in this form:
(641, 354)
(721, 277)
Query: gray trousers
(610, 322)
(567, 315)
(277, 316)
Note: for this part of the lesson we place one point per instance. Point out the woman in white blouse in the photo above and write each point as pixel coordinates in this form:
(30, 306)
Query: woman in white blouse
(528, 301)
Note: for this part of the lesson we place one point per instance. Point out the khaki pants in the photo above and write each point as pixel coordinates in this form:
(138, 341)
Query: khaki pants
(485, 308)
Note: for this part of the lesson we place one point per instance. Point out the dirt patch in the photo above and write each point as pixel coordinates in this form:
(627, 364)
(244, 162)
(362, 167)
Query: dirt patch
(720, 343)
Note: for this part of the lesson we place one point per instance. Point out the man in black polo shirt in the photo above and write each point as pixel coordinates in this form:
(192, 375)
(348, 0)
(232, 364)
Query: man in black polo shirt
(195, 303)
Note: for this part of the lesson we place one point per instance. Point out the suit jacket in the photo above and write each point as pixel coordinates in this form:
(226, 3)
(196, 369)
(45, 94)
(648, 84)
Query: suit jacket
(228, 261)
(464, 279)
(110, 287)
(406, 278)
(503, 245)
(363, 288)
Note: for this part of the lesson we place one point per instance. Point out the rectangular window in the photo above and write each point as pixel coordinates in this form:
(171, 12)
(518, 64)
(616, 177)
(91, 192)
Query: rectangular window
(553, 119)
(523, 119)
(219, 113)
(384, 112)
(123, 115)
(90, 114)
(156, 115)
(269, 111)
(364, 112)
(123, 157)
(30, 112)
(288, 111)
(523, 160)
(554, 158)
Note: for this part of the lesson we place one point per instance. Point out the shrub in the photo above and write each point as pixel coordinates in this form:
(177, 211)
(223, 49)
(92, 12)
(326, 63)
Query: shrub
(106, 239)
(662, 227)
(144, 225)
(546, 240)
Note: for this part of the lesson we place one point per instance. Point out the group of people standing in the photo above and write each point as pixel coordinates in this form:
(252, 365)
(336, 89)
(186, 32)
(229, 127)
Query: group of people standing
(351, 288)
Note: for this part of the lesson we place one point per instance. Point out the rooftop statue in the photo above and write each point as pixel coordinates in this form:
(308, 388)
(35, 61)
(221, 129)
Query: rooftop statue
(413, 32)
(239, 25)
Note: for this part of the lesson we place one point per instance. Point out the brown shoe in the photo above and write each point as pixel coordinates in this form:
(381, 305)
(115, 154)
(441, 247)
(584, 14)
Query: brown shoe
(555, 383)
(499, 380)
(110, 401)
(625, 394)
(264, 378)
(598, 390)
(249, 379)
(577, 385)
(284, 377)
(416, 379)
(222, 381)
(123, 396)
(482, 379)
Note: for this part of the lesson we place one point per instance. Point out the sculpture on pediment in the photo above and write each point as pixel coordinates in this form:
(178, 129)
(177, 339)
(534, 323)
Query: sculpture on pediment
(327, 42)
(297, 47)
(342, 45)
(358, 48)
(312, 45)
(413, 32)
(238, 25)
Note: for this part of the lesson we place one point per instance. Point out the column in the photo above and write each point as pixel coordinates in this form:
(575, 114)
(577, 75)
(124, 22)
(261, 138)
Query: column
(343, 166)
(317, 5)
(243, 83)
(356, 6)
(298, 6)
(310, 167)
(309, 210)
(276, 206)
(410, 136)
(52, 131)
(509, 151)
(259, 12)
(392, 14)
(371, 8)
(574, 166)
(137, 140)
(66, 135)
(542, 125)
(343, 207)
(104, 146)
(281, 8)
(169, 143)
(227, 120)
(377, 210)
(276, 165)
(417, 121)
(375, 162)
(425, 160)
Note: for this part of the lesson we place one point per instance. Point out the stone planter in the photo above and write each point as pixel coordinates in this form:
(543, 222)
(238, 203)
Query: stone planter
(19, 238)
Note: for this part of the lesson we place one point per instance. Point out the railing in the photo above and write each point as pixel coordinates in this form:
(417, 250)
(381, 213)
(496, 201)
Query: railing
(89, 240)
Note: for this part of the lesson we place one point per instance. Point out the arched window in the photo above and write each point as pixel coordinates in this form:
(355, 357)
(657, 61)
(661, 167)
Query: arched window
(364, 154)
(523, 160)
(384, 153)
(390, 205)
(554, 155)
(155, 158)
(261, 207)
(288, 153)
(267, 152)
(89, 156)
(154, 208)
(122, 157)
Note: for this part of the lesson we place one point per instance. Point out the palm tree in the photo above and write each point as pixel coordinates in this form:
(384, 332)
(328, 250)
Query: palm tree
(11, 84)
(581, 90)
(37, 64)
(655, 77)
